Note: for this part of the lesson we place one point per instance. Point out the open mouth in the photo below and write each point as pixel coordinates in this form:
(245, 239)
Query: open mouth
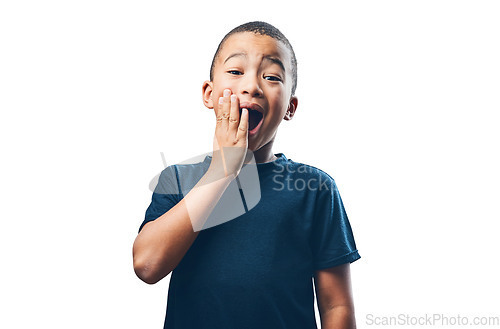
(254, 119)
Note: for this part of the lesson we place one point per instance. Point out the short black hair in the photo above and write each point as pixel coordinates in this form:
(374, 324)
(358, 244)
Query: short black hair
(262, 28)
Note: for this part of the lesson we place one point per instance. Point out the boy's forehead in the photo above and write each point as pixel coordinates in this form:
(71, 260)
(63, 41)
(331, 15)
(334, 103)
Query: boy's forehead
(252, 43)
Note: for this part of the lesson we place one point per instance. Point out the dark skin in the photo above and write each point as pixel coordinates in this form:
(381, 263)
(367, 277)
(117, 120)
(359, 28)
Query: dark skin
(334, 297)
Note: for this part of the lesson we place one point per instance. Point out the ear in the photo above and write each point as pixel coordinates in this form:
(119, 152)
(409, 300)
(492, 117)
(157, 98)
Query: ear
(207, 94)
(292, 107)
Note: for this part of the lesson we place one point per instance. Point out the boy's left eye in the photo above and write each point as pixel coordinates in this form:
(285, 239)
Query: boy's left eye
(273, 78)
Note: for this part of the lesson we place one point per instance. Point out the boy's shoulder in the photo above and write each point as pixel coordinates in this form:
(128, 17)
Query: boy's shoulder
(302, 168)
(181, 176)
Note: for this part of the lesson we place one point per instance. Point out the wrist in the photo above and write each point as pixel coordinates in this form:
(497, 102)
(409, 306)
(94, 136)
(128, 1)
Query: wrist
(217, 172)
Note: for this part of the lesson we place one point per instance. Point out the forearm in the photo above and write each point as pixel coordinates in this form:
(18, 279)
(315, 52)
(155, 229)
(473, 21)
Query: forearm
(339, 317)
(162, 243)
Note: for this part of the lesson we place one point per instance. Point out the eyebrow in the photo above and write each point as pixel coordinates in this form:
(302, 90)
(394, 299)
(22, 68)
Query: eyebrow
(272, 59)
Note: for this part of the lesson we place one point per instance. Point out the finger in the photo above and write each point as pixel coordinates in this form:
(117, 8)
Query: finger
(218, 116)
(226, 104)
(242, 134)
(234, 115)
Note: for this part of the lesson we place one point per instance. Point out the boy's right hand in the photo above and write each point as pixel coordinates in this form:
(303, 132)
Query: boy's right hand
(231, 136)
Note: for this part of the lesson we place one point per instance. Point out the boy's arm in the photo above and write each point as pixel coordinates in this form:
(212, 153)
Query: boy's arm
(162, 243)
(334, 296)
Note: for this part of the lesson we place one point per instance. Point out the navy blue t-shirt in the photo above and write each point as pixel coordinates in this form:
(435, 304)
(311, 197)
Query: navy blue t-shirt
(256, 271)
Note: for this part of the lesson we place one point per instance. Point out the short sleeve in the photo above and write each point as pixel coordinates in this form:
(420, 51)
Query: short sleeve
(332, 239)
(165, 195)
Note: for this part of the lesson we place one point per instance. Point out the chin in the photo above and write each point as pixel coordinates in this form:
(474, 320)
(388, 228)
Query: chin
(256, 143)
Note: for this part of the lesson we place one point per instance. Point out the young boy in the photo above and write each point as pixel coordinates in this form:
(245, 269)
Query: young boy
(254, 271)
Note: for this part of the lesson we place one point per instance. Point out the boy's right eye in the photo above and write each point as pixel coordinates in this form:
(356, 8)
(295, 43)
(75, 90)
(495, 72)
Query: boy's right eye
(234, 72)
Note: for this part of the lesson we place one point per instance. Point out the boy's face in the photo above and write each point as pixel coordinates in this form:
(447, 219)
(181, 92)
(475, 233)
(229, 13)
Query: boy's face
(249, 65)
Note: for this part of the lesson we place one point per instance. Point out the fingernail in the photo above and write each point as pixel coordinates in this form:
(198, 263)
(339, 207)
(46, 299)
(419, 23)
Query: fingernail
(227, 92)
(221, 100)
(233, 98)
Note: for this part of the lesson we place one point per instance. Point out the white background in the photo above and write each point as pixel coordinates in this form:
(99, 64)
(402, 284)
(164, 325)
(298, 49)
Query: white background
(398, 101)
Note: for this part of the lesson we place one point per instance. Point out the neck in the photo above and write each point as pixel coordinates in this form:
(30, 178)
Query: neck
(265, 153)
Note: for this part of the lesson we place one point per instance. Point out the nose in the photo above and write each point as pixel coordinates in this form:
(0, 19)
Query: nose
(250, 85)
